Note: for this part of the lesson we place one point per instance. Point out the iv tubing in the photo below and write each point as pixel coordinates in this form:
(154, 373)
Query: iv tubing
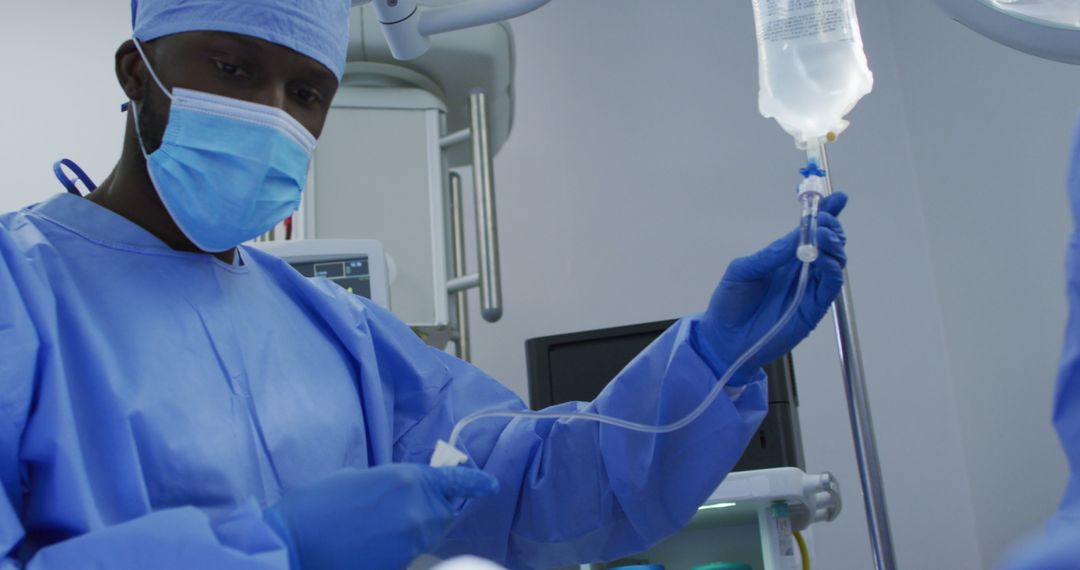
(689, 418)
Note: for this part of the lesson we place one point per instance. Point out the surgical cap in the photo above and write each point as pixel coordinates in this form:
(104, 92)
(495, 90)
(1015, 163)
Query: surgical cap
(318, 29)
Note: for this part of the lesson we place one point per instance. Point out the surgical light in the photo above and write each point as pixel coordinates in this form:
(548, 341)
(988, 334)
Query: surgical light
(1049, 29)
(407, 24)
(1054, 13)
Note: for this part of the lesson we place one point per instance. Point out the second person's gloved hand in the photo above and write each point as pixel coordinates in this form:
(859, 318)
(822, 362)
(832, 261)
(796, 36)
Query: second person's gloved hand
(377, 518)
(757, 289)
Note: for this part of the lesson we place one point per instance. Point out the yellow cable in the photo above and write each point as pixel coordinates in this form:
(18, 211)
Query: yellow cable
(803, 551)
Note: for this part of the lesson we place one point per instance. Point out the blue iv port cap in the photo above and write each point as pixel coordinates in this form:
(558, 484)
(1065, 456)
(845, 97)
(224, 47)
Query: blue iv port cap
(812, 169)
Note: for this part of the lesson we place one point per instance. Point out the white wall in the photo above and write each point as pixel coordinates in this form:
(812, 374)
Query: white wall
(990, 131)
(639, 167)
(60, 97)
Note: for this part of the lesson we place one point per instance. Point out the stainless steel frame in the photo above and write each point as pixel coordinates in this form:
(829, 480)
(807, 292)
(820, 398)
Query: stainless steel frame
(488, 279)
(462, 345)
(487, 233)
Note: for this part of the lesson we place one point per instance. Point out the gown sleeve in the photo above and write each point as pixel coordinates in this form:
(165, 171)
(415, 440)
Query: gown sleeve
(573, 491)
(177, 538)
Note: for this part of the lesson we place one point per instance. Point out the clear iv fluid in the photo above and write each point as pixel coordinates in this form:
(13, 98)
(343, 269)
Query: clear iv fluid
(812, 68)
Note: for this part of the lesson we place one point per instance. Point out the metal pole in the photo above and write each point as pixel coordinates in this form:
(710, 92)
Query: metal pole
(455, 138)
(457, 230)
(463, 283)
(862, 428)
(487, 233)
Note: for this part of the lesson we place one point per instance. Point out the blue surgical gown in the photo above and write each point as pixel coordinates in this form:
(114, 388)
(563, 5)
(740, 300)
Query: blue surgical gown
(1057, 546)
(154, 401)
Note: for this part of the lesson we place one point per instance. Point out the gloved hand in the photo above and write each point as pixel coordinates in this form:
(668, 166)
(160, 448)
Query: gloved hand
(377, 518)
(756, 290)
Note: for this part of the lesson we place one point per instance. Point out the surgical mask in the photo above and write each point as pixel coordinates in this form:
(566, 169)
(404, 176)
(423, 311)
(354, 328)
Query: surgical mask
(227, 170)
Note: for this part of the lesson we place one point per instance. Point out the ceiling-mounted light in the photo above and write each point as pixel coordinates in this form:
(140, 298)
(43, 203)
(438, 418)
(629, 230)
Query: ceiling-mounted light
(1056, 13)
(1046, 28)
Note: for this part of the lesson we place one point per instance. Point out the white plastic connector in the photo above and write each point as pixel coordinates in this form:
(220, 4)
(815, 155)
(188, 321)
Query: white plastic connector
(812, 185)
(446, 455)
(811, 190)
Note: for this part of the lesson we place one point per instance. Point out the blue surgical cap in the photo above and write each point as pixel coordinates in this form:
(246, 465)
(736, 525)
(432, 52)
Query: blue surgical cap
(318, 29)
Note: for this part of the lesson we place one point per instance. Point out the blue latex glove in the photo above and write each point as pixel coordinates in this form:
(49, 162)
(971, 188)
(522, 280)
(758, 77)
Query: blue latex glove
(381, 517)
(756, 290)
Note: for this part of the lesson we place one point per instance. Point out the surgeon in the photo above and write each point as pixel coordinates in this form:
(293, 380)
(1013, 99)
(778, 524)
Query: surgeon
(1057, 545)
(172, 399)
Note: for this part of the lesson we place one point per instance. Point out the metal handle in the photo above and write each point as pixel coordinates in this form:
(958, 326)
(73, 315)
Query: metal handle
(455, 138)
(463, 283)
(487, 234)
(462, 346)
(862, 428)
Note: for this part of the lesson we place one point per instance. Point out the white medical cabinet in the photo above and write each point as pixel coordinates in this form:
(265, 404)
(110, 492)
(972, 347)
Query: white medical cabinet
(737, 523)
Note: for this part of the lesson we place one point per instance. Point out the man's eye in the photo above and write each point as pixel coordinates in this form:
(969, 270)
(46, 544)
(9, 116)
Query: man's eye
(308, 95)
(229, 68)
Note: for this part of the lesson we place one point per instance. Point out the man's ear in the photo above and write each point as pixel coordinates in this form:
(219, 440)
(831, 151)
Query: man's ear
(131, 71)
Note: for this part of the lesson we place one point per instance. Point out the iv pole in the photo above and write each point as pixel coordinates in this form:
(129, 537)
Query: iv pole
(862, 428)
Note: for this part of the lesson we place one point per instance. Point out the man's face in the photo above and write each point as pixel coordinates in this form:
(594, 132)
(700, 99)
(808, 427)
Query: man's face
(237, 66)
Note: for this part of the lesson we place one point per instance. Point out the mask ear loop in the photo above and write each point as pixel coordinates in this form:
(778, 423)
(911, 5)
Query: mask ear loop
(134, 106)
(138, 132)
(150, 68)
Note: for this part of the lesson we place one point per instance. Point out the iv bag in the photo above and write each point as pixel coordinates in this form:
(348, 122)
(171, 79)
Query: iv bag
(811, 65)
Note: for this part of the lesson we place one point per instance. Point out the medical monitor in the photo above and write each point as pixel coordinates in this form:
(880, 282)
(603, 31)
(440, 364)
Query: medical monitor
(358, 266)
(353, 274)
(577, 366)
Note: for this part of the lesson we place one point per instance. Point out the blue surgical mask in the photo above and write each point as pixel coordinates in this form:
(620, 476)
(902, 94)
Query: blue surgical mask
(227, 170)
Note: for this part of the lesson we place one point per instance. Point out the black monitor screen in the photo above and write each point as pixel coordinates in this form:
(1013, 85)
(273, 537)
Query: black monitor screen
(352, 273)
(581, 369)
(577, 366)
